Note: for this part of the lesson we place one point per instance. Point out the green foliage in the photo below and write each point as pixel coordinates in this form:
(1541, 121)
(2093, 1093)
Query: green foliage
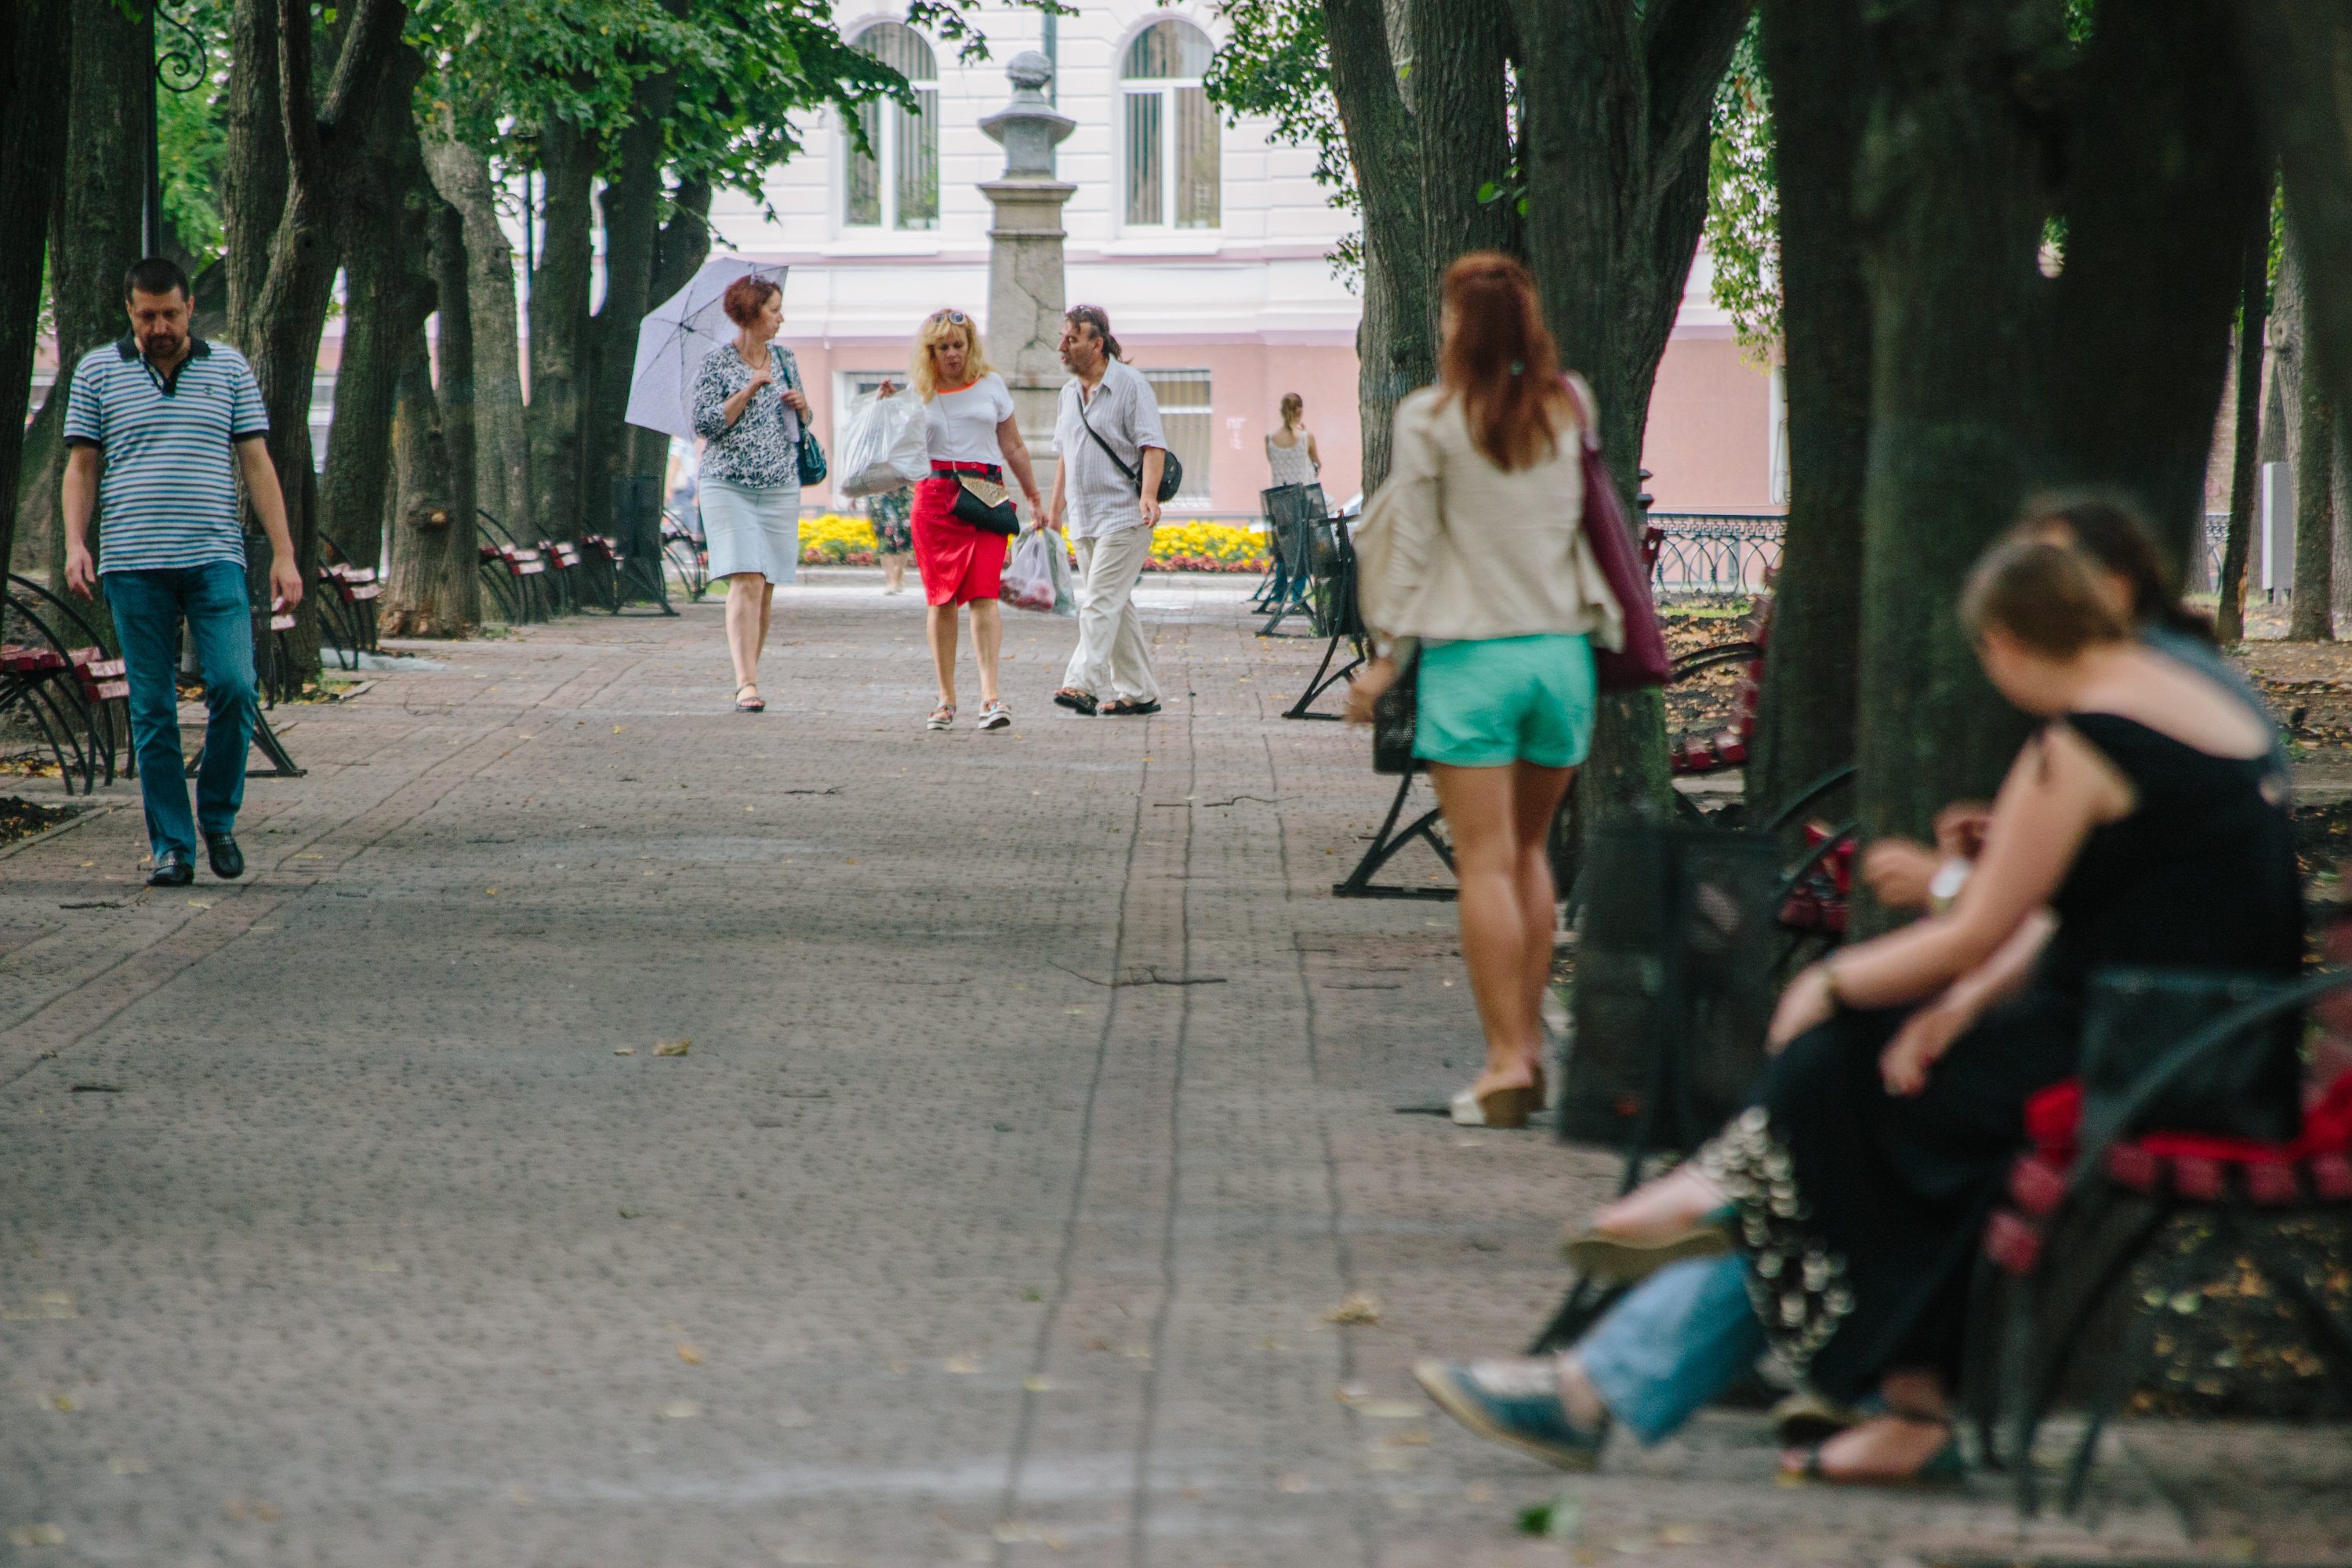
(192, 126)
(1274, 63)
(1743, 209)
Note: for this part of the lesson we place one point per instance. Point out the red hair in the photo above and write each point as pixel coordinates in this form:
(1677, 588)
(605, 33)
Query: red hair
(746, 297)
(1502, 361)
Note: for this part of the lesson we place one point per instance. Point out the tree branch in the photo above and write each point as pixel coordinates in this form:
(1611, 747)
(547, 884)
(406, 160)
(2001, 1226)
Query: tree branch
(1687, 44)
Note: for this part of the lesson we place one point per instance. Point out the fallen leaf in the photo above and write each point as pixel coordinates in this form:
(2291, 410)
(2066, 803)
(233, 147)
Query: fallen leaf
(963, 1365)
(1683, 1535)
(689, 1355)
(1358, 1307)
(1095, 1345)
(680, 1410)
(490, 892)
(122, 1466)
(199, 904)
(624, 1050)
(673, 1047)
(1391, 1409)
(616, 729)
(1408, 1439)
(63, 1402)
(38, 1535)
(58, 1304)
(522, 1498)
(1554, 1520)
(1478, 1492)
(1037, 1384)
(1292, 1483)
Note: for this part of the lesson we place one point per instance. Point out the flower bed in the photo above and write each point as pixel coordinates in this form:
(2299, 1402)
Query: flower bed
(836, 539)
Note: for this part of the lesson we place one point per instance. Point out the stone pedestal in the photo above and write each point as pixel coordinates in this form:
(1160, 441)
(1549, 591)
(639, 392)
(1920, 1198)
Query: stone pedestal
(1025, 292)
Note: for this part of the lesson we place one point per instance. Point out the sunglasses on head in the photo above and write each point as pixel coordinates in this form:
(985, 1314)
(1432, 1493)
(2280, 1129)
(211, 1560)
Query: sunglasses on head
(953, 318)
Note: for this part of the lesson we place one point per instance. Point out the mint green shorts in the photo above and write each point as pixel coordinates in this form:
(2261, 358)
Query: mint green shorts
(1498, 700)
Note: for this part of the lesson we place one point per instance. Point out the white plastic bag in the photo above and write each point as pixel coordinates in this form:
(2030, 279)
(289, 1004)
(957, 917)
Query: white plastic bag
(1065, 593)
(1028, 581)
(883, 445)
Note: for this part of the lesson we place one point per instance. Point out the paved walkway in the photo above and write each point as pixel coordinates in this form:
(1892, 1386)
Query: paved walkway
(1041, 1111)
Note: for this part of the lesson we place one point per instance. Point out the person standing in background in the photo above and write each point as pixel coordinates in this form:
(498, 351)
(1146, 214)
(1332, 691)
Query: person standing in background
(160, 425)
(891, 516)
(1113, 453)
(748, 409)
(1290, 451)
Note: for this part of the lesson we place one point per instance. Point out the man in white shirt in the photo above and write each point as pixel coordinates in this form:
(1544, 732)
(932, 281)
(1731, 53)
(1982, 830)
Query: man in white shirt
(1106, 495)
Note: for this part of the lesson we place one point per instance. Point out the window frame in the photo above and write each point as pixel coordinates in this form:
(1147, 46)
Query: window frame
(890, 123)
(1165, 90)
(1198, 463)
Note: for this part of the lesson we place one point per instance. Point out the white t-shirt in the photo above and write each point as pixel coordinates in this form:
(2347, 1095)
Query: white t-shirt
(963, 425)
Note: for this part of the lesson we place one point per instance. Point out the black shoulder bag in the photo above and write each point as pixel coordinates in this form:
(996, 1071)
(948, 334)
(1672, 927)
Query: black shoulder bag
(1171, 472)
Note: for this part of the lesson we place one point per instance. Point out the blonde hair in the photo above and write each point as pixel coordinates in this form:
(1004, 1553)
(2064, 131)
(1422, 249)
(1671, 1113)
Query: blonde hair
(936, 330)
(1294, 410)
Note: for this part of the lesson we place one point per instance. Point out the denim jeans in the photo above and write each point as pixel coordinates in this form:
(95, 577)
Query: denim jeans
(1676, 1341)
(148, 607)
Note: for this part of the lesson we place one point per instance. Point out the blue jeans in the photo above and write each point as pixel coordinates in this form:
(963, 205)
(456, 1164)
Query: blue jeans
(1679, 1339)
(148, 607)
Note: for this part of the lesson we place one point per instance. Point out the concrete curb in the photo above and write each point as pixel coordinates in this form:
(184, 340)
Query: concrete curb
(81, 814)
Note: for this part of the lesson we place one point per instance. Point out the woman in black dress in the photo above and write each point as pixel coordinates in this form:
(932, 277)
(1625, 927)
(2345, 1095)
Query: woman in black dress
(2144, 823)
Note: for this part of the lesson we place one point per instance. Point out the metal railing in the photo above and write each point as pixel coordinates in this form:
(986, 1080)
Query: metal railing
(1714, 554)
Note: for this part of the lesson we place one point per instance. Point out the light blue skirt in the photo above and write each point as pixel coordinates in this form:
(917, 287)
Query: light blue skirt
(752, 529)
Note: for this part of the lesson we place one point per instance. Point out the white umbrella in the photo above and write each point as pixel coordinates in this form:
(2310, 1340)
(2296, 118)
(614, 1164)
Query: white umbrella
(675, 335)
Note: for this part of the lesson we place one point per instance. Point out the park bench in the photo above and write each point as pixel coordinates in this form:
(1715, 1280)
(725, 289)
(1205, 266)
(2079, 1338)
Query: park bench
(682, 552)
(2087, 1204)
(347, 608)
(563, 561)
(510, 568)
(1306, 559)
(56, 673)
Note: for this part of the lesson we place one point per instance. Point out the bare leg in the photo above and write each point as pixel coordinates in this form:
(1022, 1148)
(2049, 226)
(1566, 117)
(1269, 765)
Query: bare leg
(987, 638)
(747, 628)
(1891, 1447)
(1536, 797)
(1661, 1208)
(1579, 1397)
(1481, 814)
(767, 609)
(894, 571)
(941, 622)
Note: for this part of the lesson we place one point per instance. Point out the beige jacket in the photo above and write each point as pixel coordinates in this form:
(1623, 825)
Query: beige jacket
(1453, 547)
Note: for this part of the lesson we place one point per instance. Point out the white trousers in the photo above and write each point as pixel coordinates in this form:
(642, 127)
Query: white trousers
(1112, 659)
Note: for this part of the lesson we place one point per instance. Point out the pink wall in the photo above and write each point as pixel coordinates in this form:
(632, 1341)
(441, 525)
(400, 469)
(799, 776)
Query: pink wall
(1708, 442)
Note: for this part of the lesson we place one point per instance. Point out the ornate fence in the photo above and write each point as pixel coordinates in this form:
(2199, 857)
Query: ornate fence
(1714, 556)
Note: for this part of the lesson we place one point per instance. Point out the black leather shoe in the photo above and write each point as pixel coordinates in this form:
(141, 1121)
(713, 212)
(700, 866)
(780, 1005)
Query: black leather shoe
(228, 860)
(172, 871)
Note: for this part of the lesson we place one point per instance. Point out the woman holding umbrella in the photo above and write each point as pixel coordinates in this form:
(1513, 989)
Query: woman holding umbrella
(748, 408)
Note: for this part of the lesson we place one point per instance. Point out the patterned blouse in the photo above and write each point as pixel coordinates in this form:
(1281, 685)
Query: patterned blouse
(762, 451)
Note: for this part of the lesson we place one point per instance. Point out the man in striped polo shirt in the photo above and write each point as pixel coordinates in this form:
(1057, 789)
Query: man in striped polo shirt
(153, 421)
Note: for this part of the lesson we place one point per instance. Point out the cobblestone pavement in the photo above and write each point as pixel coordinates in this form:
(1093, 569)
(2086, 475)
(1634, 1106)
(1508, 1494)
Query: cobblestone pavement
(1041, 1109)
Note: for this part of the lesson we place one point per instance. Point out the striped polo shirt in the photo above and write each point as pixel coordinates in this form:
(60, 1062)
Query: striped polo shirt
(167, 483)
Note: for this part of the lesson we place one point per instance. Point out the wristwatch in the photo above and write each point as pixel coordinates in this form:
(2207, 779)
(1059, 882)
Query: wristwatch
(1946, 884)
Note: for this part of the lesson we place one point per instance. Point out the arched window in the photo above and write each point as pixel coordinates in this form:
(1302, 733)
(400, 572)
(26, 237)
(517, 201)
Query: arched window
(908, 145)
(1172, 129)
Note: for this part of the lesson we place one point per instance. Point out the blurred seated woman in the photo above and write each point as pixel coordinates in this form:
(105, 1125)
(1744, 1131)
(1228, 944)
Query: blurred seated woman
(2144, 823)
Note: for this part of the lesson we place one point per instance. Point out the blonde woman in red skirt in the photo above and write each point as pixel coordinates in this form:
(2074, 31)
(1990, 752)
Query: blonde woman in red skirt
(975, 440)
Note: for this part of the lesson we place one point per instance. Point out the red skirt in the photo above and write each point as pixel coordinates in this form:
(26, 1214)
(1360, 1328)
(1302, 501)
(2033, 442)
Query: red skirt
(959, 564)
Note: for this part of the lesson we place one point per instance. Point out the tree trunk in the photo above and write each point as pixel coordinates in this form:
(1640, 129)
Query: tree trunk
(2245, 449)
(682, 246)
(2165, 174)
(1461, 54)
(1394, 350)
(1814, 56)
(558, 330)
(387, 294)
(462, 175)
(2311, 610)
(1952, 222)
(632, 207)
(280, 328)
(1614, 131)
(435, 589)
(253, 177)
(34, 53)
(93, 239)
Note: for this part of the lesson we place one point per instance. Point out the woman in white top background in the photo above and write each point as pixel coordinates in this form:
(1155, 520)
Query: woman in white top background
(973, 431)
(1290, 451)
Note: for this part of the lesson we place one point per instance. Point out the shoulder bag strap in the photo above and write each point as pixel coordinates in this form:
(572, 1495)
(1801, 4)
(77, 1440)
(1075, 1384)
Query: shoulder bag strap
(1133, 477)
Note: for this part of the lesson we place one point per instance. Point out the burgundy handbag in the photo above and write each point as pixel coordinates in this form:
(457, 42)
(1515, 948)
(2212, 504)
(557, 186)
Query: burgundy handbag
(1642, 660)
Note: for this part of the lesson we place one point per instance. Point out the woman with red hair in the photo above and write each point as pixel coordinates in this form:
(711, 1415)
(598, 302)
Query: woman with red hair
(1475, 567)
(748, 408)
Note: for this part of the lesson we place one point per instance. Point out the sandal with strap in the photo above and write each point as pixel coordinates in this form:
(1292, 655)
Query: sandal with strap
(1128, 708)
(754, 705)
(942, 717)
(1945, 1468)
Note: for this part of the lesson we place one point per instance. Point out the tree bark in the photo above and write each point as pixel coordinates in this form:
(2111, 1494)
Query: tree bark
(280, 328)
(34, 53)
(253, 174)
(2165, 174)
(387, 294)
(632, 207)
(1815, 58)
(1461, 54)
(558, 330)
(1952, 221)
(2311, 609)
(1395, 352)
(1614, 131)
(462, 175)
(436, 590)
(93, 236)
(2245, 449)
(682, 246)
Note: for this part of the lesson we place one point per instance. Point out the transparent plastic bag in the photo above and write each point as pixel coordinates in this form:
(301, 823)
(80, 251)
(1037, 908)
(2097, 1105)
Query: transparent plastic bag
(1028, 581)
(1066, 592)
(883, 445)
